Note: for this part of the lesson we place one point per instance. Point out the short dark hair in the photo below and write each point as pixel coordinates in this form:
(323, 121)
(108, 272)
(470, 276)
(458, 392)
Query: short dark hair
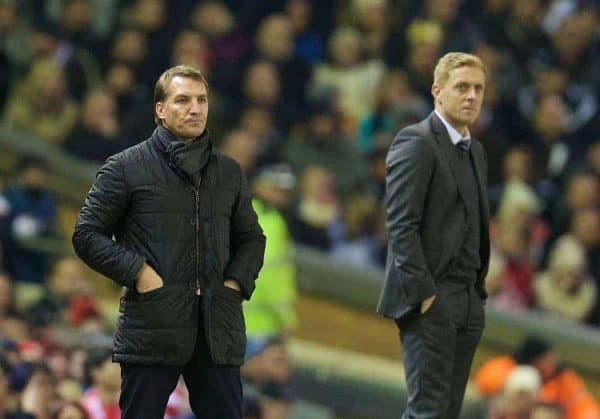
(29, 161)
(185, 71)
(95, 359)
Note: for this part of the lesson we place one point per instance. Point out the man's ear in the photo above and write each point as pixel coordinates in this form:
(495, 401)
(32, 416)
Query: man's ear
(435, 91)
(159, 110)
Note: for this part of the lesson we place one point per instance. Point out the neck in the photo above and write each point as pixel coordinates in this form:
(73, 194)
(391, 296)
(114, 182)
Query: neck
(461, 128)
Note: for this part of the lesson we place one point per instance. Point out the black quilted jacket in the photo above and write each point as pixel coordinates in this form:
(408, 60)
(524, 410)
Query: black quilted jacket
(141, 209)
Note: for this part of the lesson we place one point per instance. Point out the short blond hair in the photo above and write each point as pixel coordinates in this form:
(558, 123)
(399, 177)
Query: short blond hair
(453, 60)
(163, 82)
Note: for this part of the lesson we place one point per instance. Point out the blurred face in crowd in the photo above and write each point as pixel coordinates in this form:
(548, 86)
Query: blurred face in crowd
(76, 15)
(191, 48)
(277, 365)
(130, 47)
(59, 364)
(372, 15)
(323, 126)
(242, 146)
(262, 83)
(8, 15)
(299, 12)
(258, 121)
(66, 278)
(100, 113)
(551, 81)
(213, 19)
(582, 191)
(571, 38)
(546, 364)
(345, 46)
(526, 12)
(275, 37)
(271, 193)
(459, 99)
(512, 240)
(568, 278)
(442, 11)
(423, 57)
(34, 177)
(48, 79)
(76, 364)
(107, 376)
(394, 88)
(150, 14)
(185, 107)
(120, 78)
(318, 184)
(550, 118)
(517, 165)
(586, 227)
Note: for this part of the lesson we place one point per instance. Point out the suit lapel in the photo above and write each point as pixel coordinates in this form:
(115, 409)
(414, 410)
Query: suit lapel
(443, 139)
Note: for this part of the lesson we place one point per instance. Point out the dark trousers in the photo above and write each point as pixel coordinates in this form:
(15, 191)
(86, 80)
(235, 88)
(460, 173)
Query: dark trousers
(215, 390)
(438, 350)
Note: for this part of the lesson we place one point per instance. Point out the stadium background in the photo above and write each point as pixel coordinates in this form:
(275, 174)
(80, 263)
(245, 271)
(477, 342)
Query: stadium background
(307, 96)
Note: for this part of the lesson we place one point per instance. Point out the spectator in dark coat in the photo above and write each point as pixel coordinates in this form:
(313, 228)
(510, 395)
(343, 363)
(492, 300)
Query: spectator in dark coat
(27, 212)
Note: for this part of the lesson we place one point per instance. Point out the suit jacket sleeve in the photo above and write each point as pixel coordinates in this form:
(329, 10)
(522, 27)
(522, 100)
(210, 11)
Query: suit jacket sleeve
(103, 210)
(247, 241)
(410, 165)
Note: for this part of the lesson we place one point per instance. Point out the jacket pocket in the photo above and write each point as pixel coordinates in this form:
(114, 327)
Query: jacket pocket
(164, 307)
(229, 329)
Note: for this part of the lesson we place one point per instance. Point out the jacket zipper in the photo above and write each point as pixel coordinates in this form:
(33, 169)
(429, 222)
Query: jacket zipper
(197, 192)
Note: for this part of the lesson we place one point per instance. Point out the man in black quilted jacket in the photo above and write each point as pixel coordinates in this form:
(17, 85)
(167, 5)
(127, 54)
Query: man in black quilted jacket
(171, 220)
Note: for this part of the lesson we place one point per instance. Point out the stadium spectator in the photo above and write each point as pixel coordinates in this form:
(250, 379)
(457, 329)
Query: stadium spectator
(566, 289)
(315, 217)
(101, 399)
(97, 134)
(30, 213)
(353, 78)
(308, 43)
(272, 310)
(322, 143)
(560, 385)
(40, 104)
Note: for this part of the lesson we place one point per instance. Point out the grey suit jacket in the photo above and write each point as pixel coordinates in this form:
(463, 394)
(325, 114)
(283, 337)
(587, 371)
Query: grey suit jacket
(427, 218)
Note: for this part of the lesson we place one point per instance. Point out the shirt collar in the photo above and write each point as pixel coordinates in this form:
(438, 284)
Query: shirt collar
(455, 136)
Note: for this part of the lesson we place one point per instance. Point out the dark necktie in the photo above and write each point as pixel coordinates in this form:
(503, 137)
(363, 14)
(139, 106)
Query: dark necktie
(464, 145)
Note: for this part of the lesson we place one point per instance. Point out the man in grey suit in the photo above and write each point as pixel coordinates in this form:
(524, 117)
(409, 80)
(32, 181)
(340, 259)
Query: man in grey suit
(438, 254)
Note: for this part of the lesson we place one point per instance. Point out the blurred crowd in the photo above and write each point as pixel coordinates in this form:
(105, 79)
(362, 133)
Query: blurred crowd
(533, 383)
(306, 96)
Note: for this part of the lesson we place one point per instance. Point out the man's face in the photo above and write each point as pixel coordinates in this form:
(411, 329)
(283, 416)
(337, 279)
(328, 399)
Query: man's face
(459, 99)
(108, 375)
(185, 108)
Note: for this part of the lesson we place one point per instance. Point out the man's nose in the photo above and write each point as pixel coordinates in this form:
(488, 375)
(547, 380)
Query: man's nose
(195, 107)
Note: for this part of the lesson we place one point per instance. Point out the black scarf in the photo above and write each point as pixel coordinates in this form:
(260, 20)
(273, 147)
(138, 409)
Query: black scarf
(187, 157)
